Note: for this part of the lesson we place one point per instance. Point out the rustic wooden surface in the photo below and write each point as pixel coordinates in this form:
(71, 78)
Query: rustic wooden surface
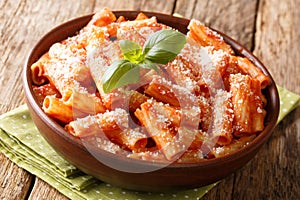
(270, 28)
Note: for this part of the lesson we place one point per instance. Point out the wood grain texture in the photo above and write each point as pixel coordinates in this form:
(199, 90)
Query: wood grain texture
(14, 182)
(165, 6)
(22, 24)
(276, 174)
(42, 191)
(277, 40)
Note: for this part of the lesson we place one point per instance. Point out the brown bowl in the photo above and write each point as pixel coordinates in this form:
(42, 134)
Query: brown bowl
(173, 176)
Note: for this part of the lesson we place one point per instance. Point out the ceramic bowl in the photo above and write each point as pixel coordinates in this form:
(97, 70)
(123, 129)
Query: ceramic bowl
(173, 176)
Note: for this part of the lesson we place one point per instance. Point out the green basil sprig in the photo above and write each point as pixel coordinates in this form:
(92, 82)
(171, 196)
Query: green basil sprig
(160, 48)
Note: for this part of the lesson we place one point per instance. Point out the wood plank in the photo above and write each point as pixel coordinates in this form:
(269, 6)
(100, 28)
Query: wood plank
(277, 41)
(14, 181)
(8, 57)
(274, 173)
(42, 191)
(165, 6)
(231, 17)
(10, 174)
(33, 20)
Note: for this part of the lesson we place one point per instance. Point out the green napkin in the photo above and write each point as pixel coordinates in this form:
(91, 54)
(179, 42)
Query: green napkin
(288, 102)
(21, 142)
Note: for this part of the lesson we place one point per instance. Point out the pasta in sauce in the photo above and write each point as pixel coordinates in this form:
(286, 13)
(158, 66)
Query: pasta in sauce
(204, 104)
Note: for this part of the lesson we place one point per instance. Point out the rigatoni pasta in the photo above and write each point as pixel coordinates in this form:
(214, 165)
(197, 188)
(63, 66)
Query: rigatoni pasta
(205, 103)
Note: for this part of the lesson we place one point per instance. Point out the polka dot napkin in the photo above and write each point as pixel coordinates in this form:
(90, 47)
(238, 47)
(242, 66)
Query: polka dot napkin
(21, 142)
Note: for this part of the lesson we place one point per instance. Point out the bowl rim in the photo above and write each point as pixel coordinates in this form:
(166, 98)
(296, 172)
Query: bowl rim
(259, 140)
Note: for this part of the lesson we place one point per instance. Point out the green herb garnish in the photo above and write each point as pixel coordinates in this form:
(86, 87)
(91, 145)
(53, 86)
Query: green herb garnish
(160, 48)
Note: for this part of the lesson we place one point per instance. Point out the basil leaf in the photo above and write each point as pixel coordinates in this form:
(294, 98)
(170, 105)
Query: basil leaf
(131, 76)
(109, 72)
(119, 74)
(149, 65)
(163, 46)
(131, 51)
(160, 48)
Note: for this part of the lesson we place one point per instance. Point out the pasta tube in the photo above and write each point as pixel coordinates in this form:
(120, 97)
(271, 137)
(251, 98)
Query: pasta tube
(247, 105)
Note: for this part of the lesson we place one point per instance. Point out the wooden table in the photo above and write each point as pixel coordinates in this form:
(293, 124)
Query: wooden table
(270, 28)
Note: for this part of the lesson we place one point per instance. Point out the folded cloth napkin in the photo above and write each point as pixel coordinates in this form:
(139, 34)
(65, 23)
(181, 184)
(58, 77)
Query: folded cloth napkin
(22, 143)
